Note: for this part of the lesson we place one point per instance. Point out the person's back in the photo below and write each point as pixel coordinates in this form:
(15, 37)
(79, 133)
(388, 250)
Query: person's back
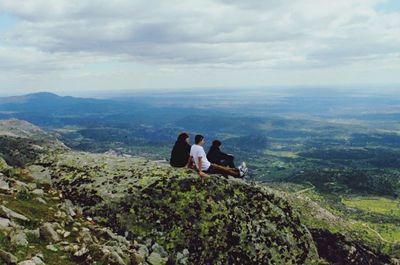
(180, 152)
(216, 156)
(213, 155)
(196, 152)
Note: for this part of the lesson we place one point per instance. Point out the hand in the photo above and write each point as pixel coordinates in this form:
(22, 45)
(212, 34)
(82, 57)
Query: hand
(203, 175)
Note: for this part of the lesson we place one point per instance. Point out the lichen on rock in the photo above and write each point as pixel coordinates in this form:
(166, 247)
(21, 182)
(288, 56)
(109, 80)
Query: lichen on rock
(221, 221)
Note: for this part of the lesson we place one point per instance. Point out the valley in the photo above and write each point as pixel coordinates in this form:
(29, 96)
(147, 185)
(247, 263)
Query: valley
(337, 165)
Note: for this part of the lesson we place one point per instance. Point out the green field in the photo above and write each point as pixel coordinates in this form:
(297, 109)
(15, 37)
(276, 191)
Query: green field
(378, 205)
(389, 209)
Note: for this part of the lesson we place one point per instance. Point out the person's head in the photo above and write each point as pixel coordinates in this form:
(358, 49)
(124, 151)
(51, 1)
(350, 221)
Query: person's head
(216, 143)
(183, 137)
(199, 139)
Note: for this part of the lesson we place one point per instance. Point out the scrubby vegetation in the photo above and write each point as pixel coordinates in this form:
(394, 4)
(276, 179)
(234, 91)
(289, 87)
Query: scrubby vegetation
(338, 168)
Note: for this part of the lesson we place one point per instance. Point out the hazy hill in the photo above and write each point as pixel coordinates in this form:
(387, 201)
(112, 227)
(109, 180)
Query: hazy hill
(19, 128)
(48, 103)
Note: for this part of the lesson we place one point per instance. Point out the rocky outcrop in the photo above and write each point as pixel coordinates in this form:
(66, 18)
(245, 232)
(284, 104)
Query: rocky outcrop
(190, 220)
(335, 248)
(51, 229)
(22, 143)
(5, 212)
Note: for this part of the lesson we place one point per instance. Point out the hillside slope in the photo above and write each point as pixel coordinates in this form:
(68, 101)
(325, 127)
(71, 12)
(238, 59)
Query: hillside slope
(105, 209)
(223, 221)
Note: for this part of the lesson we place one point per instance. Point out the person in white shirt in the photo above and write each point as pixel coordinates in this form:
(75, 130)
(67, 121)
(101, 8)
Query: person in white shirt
(199, 157)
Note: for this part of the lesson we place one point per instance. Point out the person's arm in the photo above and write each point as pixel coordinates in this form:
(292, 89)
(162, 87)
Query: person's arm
(223, 156)
(201, 173)
(190, 162)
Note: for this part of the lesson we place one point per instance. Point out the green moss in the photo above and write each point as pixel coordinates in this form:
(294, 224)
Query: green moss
(36, 246)
(35, 211)
(3, 164)
(212, 218)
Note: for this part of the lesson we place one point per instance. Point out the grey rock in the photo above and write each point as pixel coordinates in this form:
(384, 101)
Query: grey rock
(4, 223)
(148, 242)
(183, 258)
(18, 238)
(69, 208)
(38, 192)
(4, 185)
(33, 233)
(27, 262)
(31, 186)
(156, 259)
(159, 249)
(38, 259)
(143, 251)
(60, 214)
(48, 233)
(21, 186)
(56, 226)
(40, 174)
(34, 261)
(395, 261)
(82, 252)
(108, 234)
(52, 248)
(41, 200)
(114, 258)
(118, 250)
(136, 259)
(86, 237)
(8, 258)
(5, 212)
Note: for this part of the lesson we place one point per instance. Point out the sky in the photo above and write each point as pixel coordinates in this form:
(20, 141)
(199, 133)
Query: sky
(80, 46)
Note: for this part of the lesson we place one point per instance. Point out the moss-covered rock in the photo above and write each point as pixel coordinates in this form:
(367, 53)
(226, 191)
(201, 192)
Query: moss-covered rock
(220, 221)
(3, 164)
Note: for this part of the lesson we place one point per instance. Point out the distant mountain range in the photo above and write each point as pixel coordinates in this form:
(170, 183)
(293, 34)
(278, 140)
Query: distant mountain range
(48, 102)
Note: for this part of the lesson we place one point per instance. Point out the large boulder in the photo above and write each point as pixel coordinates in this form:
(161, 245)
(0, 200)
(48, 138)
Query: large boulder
(48, 232)
(8, 213)
(221, 221)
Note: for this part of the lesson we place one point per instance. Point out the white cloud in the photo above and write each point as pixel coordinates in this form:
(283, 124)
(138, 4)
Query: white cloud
(275, 34)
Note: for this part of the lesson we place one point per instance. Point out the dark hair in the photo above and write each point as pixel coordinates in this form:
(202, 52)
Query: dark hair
(216, 143)
(198, 138)
(182, 137)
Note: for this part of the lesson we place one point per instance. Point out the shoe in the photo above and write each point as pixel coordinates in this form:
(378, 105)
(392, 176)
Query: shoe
(244, 164)
(243, 171)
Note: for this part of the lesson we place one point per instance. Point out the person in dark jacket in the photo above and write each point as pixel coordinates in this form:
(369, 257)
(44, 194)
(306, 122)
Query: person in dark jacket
(215, 155)
(180, 151)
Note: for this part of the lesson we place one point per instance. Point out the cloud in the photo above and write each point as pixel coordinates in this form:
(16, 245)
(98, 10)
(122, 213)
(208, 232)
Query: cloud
(248, 34)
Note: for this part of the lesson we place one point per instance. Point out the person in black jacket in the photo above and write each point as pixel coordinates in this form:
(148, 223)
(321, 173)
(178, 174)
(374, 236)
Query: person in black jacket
(215, 155)
(180, 151)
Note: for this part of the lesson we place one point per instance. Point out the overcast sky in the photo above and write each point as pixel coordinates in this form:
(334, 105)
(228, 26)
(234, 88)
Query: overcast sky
(73, 46)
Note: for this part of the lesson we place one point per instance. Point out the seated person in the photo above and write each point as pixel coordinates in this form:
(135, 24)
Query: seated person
(199, 157)
(181, 150)
(215, 155)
